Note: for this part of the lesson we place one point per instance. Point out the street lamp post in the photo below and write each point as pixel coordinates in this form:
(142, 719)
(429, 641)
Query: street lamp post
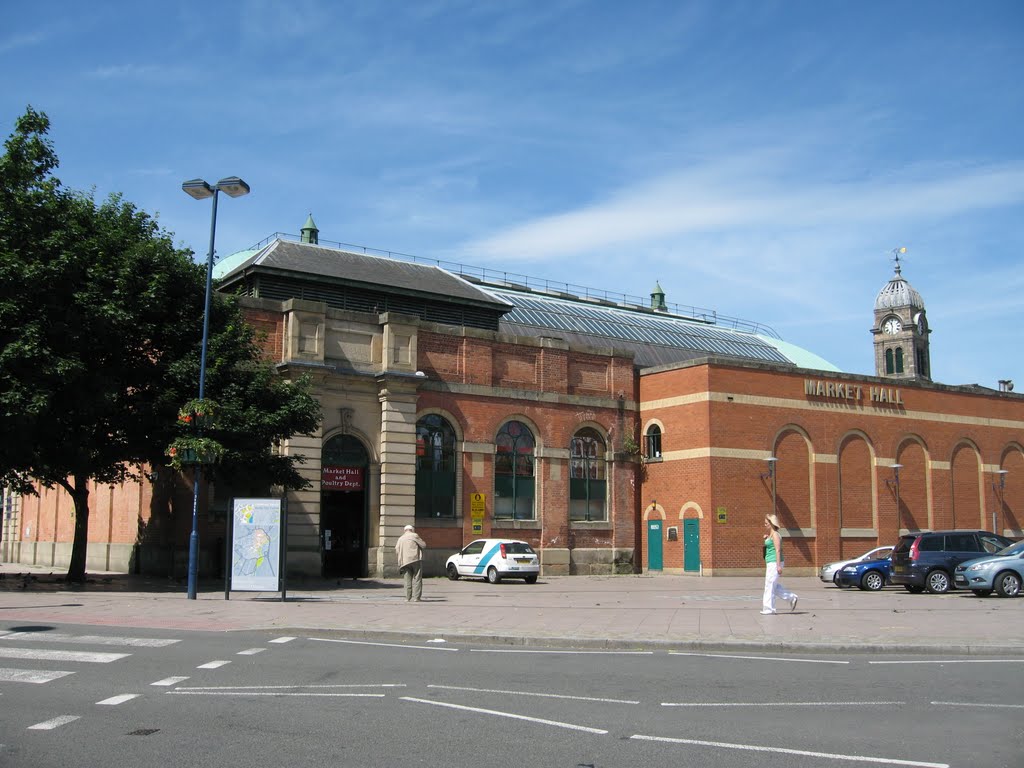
(895, 483)
(998, 487)
(200, 190)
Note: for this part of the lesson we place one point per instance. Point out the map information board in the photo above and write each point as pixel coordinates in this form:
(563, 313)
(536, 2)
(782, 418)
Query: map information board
(256, 545)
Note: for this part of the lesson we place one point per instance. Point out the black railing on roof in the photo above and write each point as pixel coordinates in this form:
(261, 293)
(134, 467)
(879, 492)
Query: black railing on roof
(515, 281)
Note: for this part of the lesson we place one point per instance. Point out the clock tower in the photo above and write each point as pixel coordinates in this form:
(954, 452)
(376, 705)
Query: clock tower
(901, 330)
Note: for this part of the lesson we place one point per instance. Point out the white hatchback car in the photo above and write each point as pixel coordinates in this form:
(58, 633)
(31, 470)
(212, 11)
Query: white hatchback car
(494, 560)
(828, 572)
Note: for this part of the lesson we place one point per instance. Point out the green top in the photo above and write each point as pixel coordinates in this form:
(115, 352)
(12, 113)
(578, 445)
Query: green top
(770, 555)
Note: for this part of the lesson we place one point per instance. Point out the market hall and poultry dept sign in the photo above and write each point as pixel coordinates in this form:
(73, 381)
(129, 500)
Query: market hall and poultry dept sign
(341, 478)
(850, 391)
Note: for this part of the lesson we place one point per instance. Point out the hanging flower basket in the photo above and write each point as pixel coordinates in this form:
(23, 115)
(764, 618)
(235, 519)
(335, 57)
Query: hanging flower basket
(199, 414)
(190, 451)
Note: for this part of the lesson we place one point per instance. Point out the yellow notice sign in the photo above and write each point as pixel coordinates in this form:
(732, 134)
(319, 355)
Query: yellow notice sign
(477, 506)
(720, 512)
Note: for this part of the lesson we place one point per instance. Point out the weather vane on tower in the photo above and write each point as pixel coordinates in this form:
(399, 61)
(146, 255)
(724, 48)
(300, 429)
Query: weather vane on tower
(897, 252)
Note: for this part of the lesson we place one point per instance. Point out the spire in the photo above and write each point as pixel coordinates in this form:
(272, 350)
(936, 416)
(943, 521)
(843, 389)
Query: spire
(310, 234)
(658, 298)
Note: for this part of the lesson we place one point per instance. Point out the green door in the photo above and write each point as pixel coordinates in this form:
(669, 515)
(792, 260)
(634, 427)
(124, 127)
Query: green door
(654, 545)
(691, 545)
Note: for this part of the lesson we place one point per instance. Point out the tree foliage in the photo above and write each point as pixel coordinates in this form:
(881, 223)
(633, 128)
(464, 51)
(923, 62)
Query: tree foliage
(100, 332)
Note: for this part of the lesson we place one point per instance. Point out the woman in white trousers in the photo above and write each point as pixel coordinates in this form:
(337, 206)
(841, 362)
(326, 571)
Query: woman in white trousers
(773, 569)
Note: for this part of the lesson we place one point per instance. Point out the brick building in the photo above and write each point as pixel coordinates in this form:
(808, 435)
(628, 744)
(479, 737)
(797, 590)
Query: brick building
(613, 435)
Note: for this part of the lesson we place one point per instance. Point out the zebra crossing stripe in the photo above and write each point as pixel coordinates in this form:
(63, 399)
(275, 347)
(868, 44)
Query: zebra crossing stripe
(251, 651)
(56, 722)
(85, 656)
(170, 681)
(285, 639)
(58, 637)
(11, 675)
(213, 664)
(113, 701)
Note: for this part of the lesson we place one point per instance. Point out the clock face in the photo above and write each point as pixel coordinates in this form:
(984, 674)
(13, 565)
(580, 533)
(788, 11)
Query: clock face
(892, 325)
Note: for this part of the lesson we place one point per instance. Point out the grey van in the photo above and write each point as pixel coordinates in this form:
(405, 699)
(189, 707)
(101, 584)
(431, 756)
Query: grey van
(927, 559)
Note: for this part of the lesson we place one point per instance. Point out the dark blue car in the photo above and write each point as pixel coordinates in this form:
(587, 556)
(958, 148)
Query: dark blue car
(870, 575)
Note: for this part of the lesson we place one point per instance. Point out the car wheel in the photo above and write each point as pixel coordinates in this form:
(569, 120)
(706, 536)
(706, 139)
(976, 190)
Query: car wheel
(453, 572)
(492, 575)
(982, 592)
(835, 579)
(937, 582)
(872, 581)
(531, 579)
(1007, 584)
(913, 589)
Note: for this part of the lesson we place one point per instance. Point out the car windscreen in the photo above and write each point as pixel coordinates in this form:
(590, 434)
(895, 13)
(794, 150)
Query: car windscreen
(518, 548)
(904, 543)
(1014, 550)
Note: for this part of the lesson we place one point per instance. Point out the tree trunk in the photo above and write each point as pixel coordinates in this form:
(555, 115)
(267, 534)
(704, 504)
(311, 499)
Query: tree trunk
(80, 494)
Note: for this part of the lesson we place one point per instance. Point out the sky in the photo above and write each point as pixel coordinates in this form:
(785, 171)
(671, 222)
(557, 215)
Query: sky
(760, 159)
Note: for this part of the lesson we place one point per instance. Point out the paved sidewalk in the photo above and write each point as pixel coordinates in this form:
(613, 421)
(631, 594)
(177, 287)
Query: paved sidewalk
(642, 611)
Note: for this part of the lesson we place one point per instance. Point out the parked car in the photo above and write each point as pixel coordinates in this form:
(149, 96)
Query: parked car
(1002, 572)
(927, 559)
(829, 570)
(869, 575)
(494, 560)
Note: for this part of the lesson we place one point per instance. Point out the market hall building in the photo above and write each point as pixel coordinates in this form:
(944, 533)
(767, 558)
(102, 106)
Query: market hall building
(614, 436)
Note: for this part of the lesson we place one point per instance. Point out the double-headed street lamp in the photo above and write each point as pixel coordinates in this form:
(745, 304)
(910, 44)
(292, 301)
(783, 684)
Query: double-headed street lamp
(200, 190)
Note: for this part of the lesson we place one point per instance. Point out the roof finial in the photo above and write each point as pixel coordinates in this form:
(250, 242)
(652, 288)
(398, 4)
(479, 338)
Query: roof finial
(897, 252)
(310, 234)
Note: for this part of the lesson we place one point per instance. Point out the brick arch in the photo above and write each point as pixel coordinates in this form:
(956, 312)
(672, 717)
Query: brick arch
(794, 491)
(915, 483)
(448, 416)
(966, 486)
(857, 507)
(691, 510)
(1009, 513)
(654, 511)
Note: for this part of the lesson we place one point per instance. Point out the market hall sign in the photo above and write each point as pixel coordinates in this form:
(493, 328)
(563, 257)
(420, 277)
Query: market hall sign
(844, 390)
(341, 479)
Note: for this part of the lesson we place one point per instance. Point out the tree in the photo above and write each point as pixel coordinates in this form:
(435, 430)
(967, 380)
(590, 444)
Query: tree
(100, 332)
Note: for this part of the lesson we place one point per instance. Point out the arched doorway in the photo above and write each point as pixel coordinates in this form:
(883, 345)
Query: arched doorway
(343, 508)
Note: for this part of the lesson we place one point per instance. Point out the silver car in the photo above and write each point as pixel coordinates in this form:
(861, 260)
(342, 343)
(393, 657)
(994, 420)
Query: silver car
(1002, 572)
(828, 571)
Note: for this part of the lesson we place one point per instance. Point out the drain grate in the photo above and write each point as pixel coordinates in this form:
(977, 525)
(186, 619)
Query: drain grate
(144, 732)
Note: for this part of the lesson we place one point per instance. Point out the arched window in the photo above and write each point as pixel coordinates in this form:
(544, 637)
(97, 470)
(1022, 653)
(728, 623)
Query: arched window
(889, 367)
(587, 485)
(513, 473)
(653, 442)
(899, 359)
(435, 467)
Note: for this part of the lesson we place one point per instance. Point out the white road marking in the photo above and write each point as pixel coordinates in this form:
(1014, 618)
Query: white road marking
(783, 751)
(282, 639)
(58, 637)
(86, 656)
(56, 722)
(754, 658)
(530, 693)
(969, 704)
(170, 681)
(277, 693)
(956, 660)
(829, 703)
(383, 645)
(10, 675)
(251, 651)
(281, 687)
(213, 664)
(113, 701)
(571, 653)
(542, 721)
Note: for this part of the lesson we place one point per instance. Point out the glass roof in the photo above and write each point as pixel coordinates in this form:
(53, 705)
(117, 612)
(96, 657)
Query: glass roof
(634, 326)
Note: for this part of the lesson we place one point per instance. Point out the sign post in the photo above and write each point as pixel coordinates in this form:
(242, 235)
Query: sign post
(257, 533)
